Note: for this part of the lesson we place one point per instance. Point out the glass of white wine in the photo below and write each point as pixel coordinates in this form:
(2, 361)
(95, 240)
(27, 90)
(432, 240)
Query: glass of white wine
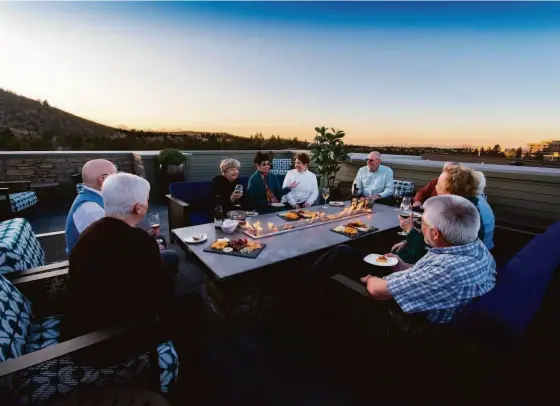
(326, 192)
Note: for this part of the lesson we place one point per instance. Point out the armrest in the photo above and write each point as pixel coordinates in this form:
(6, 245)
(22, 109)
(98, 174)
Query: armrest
(19, 364)
(47, 235)
(178, 215)
(178, 201)
(351, 284)
(36, 271)
(16, 185)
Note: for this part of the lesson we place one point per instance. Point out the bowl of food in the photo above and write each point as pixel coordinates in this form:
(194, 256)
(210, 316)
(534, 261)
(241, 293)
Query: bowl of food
(235, 214)
(229, 226)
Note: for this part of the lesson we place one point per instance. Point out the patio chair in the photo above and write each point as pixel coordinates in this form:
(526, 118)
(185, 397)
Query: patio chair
(35, 366)
(21, 249)
(188, 203)
(15, 197)
(281, 166)
(403, 188)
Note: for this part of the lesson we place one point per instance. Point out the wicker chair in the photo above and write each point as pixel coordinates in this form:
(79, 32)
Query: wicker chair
(37, 367)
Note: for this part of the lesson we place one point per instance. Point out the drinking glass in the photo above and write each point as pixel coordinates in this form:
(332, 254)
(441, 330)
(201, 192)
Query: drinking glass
(406, 226)
(398, 200)
(326, 193)
(239, 189)
(406, 204)
(154, 221)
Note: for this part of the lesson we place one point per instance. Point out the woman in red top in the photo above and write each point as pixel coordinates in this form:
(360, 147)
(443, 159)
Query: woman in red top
(430, 189)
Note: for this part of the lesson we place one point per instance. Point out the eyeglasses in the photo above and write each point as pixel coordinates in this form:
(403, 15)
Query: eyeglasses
(372, 160)
(423, 223)
(265, 164)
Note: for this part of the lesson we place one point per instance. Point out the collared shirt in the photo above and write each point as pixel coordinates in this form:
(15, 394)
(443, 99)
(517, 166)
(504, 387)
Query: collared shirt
(379, 182)
(444, 281)
(87, 213)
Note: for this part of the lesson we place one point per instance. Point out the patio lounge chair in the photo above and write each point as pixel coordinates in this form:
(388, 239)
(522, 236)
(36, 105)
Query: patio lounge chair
(35, 366)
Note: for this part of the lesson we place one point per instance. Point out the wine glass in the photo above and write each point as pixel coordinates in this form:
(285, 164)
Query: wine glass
(404, 223)
(326, 192)
(406, 204)
(154, 221)
(238, 189)
(398, 199)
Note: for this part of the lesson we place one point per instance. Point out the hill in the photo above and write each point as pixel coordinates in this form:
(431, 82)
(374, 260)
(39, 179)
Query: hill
(28, 124)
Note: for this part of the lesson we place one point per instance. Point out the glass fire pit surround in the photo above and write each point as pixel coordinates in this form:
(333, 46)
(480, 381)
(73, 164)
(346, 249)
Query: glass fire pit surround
(317, 215)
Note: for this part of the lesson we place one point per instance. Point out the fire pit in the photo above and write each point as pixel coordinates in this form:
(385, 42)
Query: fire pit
(317, 215)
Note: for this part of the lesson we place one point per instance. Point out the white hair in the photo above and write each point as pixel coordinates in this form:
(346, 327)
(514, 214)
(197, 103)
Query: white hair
(455, 217)
(481, 182)
(377, 154)
(122, 191)
(229, 163)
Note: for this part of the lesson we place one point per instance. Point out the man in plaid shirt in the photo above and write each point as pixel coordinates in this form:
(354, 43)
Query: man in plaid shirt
(457, 269)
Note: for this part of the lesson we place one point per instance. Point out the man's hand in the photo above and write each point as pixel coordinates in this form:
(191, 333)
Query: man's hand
(376, 197)
(307, 204)
(154, 232)
(377, 287)
(234, 196)
(417, 204)
(293, 184)
(401, 265)
(161, 247)
(399, 246)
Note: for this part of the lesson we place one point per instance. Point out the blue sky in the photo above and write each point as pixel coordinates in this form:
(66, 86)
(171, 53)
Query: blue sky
(387, 73)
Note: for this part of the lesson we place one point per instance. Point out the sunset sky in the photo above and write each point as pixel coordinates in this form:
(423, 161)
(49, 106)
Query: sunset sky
(400, 73)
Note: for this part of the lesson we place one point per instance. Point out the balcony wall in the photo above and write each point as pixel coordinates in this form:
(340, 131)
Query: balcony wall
(518, 195)
(59, 166)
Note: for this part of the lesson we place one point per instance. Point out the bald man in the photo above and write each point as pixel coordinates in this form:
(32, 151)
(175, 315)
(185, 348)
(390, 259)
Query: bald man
(88, 205)
(375, 180)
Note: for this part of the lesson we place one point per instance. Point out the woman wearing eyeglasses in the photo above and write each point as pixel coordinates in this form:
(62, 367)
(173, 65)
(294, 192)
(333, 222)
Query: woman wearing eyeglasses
(264, 191)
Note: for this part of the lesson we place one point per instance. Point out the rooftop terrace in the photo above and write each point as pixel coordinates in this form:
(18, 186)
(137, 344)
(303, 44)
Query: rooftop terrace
(254, 362)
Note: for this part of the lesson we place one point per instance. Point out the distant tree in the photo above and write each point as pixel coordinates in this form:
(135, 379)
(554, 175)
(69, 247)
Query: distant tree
(539, 156)
(497, 150)
(46, 103)
(518, 152)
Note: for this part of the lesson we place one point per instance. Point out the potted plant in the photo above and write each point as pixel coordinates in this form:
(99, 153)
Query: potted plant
(171, 162)
(328, 154)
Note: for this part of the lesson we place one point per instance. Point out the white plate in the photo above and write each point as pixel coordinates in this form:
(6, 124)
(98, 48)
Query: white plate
(371, 259)
(189, 240)
(251, 214)
(336, 204)
(277, 204)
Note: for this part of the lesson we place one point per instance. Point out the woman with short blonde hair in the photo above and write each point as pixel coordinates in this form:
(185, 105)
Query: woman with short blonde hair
(223, 187)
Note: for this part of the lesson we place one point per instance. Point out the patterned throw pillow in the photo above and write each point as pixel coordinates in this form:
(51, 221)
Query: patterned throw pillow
(281, 166)
(403, 188)
(15, 320)
(19, 247)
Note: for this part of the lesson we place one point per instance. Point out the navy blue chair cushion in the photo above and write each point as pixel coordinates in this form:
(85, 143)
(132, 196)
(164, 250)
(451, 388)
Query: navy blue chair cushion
(199, 217)
(195, 194)
(502, 315)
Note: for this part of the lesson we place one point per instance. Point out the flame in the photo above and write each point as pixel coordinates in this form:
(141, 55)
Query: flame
(270, 226)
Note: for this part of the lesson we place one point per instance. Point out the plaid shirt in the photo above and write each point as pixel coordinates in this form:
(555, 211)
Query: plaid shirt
(444, 281)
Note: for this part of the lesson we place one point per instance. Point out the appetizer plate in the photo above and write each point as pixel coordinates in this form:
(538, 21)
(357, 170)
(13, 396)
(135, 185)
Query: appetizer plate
(196, 239)
(372, 259)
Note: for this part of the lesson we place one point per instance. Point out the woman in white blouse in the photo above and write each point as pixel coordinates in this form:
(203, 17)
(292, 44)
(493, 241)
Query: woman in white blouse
(305, 192)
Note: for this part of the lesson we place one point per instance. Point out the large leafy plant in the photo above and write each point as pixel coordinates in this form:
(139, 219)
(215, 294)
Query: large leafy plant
(328, 153)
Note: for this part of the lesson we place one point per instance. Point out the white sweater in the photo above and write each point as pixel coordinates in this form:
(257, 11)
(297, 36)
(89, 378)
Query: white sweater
(306, 191)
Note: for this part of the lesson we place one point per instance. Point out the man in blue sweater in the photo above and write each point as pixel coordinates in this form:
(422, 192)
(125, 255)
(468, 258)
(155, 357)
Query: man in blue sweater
(88, 205)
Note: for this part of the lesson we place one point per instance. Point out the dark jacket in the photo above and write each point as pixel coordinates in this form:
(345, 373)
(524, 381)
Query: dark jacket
(256, 192)
(224, 188)
(116, 276)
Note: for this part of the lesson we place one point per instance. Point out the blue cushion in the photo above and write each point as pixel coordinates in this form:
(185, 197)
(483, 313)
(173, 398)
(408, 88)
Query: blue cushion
(22, 200)
(196, 194)
(43, 333)
(19, 247)
(199, 217)
(503, 315)
(15, 321)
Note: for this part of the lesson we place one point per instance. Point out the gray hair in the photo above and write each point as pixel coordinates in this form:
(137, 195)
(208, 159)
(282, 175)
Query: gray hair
(454, 216)
(481, 182)
(121, 192)
(228, 164)
(377, 155)
(448, 165)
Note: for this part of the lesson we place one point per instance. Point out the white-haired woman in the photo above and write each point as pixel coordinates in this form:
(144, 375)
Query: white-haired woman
(224, 186)
(116, 271)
